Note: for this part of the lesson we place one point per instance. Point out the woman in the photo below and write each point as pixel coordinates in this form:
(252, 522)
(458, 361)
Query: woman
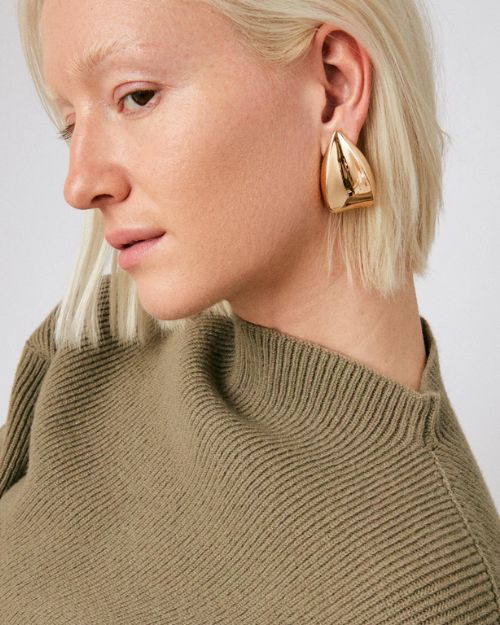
(245, 421)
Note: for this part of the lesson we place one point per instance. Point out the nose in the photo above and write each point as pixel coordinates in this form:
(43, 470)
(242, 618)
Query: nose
(96, 174)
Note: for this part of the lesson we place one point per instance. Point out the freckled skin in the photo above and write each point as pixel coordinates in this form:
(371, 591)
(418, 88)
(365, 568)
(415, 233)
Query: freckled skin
(226, 158)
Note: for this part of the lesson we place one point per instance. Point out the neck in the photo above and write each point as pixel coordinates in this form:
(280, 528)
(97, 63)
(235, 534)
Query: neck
(382, 333)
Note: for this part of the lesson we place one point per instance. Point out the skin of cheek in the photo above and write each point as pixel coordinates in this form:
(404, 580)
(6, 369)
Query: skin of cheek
(228, 171)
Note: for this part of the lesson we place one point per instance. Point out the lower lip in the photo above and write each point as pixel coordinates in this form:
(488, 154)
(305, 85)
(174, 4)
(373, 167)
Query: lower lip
(131, 255)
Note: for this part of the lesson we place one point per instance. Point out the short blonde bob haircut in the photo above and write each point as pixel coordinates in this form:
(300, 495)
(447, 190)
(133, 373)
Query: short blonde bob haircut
(401, 139)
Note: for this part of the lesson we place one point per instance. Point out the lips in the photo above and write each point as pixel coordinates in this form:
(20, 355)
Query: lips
(126, 237)
(133, 243)
(135, 253)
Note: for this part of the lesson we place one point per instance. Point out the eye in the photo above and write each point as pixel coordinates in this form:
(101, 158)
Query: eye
(141, 97)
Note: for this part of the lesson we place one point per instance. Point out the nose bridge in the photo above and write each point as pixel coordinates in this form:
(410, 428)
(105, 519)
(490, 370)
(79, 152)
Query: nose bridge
(92, 170)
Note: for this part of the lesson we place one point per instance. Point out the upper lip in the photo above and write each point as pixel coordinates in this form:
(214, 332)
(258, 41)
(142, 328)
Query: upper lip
(125, 236)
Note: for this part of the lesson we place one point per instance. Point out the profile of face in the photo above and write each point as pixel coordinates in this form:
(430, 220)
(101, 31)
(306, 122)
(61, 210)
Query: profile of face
(219, 150)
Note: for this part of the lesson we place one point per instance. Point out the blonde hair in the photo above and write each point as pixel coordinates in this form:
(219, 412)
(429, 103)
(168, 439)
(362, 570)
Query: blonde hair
(401, 139)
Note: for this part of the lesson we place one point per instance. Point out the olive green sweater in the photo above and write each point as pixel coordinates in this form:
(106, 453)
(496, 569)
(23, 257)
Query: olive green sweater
(228, 473)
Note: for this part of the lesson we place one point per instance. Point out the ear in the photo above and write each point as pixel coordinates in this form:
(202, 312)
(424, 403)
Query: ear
(345, 71)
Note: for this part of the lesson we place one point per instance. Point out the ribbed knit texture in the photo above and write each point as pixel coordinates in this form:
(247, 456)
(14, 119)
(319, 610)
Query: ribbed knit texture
(232, 474)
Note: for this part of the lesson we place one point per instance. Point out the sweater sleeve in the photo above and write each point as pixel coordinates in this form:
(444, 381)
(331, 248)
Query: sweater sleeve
(32, 366)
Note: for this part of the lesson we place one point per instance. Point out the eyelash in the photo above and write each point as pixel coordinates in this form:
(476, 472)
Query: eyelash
(65, 133)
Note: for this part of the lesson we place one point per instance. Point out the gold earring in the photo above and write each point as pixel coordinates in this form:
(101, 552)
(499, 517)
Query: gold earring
(347, 180)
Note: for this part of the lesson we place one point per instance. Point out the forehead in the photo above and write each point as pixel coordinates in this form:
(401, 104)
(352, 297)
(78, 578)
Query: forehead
(85, 24)
(78, 37)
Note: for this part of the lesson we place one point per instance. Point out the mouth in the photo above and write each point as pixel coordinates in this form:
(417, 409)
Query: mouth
(133, 252)
(124, 247)
(123, 239)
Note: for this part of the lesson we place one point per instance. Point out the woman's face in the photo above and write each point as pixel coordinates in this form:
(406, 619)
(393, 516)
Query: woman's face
(225, 156)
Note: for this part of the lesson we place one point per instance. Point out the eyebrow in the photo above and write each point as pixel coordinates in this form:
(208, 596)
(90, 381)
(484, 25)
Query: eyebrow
(94, 56)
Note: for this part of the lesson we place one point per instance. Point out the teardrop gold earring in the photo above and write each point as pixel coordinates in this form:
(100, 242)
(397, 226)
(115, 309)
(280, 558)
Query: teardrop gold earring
(347, 180)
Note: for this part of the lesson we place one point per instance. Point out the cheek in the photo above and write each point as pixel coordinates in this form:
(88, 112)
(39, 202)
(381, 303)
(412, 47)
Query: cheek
(226, 166)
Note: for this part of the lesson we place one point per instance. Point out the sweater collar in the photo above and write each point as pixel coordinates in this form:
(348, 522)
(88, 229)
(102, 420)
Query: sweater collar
(283, 381)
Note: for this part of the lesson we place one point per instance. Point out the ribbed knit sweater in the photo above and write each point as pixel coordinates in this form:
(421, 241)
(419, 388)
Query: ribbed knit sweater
(228, 473)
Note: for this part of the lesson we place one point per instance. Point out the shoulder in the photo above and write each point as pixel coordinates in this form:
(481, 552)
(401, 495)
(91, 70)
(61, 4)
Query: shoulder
(3, 429)
(42, 338)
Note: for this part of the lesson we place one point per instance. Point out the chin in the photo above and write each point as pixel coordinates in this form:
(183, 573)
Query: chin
(171, 308)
